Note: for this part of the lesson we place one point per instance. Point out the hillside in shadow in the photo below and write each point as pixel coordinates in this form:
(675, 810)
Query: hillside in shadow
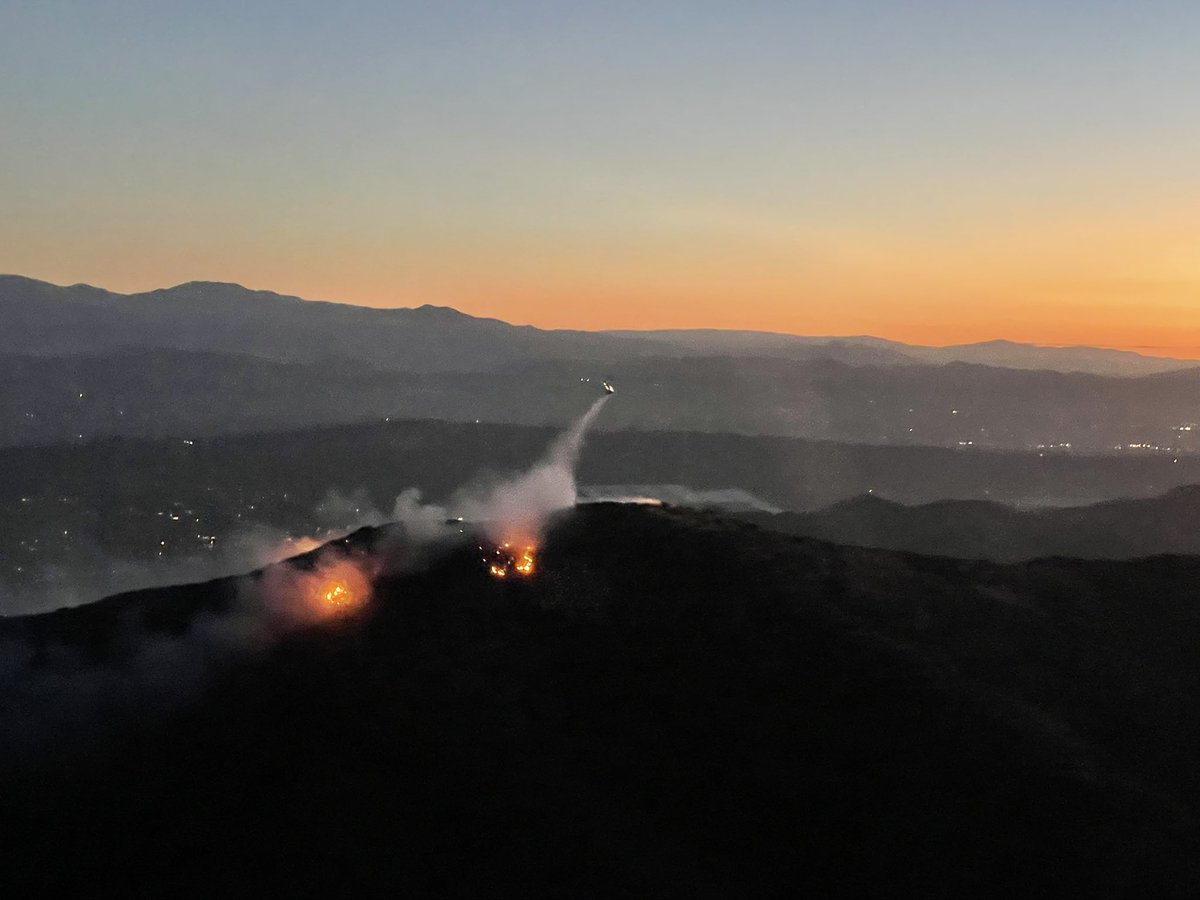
(673, 705)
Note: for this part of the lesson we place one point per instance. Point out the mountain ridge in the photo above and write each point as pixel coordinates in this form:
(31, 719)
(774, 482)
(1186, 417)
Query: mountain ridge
(1120, 528)
(692, 341)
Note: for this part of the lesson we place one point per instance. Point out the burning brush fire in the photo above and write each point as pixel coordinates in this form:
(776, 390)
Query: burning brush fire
(334, 584)
(507, 559)
(337, 593)
(339, 585)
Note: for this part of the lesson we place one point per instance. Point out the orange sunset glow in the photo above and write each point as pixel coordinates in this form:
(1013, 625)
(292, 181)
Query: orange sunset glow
(1105, 287)
(844, 179)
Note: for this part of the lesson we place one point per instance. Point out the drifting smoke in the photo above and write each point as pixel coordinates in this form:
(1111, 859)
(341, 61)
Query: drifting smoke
(518, 510)
(515, 509)
(733, 499)
(50, 692)
(93, 574)
(338, 581)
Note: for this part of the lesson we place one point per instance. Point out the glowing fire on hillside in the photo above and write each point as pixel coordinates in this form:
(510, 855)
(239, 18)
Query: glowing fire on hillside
(508, 559)
(338, 594)
(338, 584)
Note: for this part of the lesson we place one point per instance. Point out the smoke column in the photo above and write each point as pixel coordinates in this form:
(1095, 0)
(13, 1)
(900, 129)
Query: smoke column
(517, 510)
(568, 446)
(53, 694)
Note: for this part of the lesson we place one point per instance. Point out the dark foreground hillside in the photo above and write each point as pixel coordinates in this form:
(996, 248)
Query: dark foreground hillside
(673, 706)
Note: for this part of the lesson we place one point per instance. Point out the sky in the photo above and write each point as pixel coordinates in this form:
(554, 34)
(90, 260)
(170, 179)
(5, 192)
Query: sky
(932, 172)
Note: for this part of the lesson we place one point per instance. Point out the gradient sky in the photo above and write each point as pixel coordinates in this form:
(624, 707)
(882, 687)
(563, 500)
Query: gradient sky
(933, 172)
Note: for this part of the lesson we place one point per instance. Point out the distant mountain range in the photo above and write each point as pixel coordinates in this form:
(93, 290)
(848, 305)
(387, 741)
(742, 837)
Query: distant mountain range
(866, 350)
(46, 319)
(79, 363)
(1114, 529)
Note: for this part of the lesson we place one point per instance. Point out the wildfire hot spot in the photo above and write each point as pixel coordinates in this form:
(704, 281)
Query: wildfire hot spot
(508, 560)
(334, 584)
(339, 585)
(336, 593)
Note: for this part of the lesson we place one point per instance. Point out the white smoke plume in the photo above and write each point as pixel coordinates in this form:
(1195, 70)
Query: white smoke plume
(518, 510)
(513, 508)
(49, 692)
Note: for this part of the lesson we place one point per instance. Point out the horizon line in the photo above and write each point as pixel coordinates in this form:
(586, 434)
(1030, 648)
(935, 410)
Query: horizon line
(1135, 350)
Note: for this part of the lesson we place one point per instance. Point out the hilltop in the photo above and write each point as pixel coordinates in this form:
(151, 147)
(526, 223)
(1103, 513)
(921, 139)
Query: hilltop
(675, 704)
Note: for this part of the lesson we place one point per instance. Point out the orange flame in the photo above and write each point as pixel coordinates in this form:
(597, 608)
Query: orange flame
(506, 561)
(338, 584)
(338, 594)
(524, 565)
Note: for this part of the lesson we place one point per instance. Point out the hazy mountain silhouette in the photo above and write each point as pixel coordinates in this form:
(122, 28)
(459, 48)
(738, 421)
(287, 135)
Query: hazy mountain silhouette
(45, 319)
(137, 392)
(205, 358)
(1014, 355)
(42, 318)
(1116, 529)
(675, 705)
(997, 353)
